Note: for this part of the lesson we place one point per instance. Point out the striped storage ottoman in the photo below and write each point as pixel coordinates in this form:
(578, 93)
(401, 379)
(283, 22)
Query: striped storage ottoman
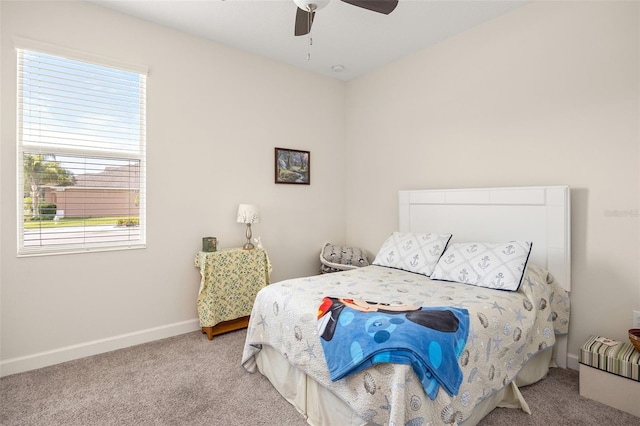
(611, 374)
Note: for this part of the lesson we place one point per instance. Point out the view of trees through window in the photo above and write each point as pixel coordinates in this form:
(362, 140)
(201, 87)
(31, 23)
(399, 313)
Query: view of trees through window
(109, 194)
(39, 170)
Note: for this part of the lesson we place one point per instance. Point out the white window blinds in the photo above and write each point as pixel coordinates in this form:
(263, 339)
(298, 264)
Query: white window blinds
(81, 155)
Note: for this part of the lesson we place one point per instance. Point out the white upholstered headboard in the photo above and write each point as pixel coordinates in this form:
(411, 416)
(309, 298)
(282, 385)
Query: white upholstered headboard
(540, 214)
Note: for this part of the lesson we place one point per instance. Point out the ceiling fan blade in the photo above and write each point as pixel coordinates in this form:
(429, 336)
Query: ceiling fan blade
(380, 6)
(304, 19)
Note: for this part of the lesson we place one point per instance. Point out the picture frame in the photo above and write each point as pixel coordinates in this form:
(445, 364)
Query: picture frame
(209, 244)
(292, 166)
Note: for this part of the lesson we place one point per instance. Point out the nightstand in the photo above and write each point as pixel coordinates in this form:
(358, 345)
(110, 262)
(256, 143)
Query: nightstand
(231, 278)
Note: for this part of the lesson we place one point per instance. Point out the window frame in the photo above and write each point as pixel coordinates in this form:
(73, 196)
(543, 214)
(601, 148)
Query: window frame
(86, 151)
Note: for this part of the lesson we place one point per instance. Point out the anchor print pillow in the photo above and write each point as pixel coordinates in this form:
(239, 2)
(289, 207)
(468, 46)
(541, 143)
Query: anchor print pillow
(499, 266)
(412, 252)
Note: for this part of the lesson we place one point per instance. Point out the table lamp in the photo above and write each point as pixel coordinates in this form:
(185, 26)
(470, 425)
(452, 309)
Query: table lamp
(248, 213)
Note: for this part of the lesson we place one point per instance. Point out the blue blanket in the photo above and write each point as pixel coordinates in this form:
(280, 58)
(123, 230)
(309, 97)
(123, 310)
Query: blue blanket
(357, 334)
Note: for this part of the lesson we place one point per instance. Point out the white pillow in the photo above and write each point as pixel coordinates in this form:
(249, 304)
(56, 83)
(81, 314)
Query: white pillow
(412, 252)
(492, 265)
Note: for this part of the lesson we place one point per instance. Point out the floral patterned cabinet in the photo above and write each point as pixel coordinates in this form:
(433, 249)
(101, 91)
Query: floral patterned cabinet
(231, 278)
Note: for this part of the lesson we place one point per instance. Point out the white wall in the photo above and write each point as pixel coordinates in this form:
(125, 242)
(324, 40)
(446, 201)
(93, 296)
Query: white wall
(214, 117)
(545, 95)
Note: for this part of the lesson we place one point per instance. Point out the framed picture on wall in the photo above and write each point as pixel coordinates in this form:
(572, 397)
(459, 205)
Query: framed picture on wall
(292, 166)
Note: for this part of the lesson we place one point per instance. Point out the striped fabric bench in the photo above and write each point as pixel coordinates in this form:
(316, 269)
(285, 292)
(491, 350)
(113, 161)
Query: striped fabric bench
(611, 374)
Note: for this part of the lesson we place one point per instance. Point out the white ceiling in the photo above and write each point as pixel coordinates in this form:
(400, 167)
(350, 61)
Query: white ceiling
(357, 39)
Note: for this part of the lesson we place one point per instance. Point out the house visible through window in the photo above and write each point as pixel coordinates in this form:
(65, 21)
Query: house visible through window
(81, 154)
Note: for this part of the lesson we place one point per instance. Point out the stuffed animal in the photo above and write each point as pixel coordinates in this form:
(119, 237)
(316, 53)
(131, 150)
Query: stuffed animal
(258, 242)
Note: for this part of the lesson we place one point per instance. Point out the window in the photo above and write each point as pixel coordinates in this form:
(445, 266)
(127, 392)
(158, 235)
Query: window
(81, 154)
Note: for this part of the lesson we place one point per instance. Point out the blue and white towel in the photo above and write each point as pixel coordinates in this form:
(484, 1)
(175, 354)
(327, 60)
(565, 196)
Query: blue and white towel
(358, 334)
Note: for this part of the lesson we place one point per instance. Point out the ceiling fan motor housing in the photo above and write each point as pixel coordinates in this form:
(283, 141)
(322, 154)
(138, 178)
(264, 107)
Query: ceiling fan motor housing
(311, 5)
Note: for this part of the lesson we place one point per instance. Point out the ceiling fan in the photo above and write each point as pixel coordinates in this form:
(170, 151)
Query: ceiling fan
(307, 10)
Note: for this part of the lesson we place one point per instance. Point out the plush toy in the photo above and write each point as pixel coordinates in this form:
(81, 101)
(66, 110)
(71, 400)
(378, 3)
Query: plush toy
(258, 242)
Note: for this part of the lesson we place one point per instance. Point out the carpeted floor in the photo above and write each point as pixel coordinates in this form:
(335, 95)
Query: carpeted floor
(189, 380)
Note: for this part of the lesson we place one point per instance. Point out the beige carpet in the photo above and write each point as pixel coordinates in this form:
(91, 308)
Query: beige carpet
(189, 380)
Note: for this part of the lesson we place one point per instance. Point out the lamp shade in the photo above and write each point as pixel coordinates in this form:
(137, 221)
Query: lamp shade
(248, 213)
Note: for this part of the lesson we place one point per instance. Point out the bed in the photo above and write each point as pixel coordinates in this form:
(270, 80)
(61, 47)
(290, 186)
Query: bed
(513, 336)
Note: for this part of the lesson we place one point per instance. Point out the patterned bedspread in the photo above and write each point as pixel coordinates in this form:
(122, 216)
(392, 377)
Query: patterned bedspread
(506, 329)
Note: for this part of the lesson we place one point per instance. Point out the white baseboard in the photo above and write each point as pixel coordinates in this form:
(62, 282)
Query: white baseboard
(69, 353)
(572, 362)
